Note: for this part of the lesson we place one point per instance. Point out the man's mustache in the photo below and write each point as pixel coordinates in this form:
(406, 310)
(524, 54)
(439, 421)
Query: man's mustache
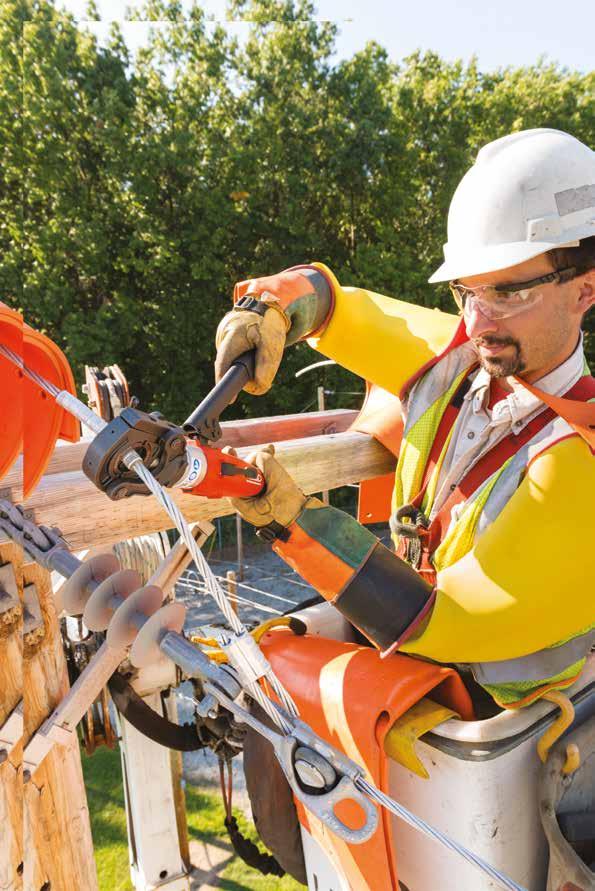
(490, 341)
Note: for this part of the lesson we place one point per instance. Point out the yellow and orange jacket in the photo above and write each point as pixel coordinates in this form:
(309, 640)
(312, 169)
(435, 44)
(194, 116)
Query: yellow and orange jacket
(510, 587)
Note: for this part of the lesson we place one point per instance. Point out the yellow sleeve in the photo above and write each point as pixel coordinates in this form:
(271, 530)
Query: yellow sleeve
(528, 582)
(382, 339)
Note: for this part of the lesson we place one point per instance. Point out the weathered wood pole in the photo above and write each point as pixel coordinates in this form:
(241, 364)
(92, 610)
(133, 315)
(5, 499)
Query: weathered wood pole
(88, 518)
(57, 833)
(232, 589)
(320, 401)
(11, 687)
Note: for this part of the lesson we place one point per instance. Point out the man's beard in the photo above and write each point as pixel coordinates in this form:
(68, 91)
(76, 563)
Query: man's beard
(501, 365)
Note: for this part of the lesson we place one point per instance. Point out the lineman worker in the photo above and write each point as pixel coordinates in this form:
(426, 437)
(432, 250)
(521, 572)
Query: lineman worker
(493, 518)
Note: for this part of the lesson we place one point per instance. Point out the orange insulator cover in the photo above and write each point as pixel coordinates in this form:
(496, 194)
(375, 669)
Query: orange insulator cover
(31, 419)
(351, 697)
(380, 416)
(11, 389)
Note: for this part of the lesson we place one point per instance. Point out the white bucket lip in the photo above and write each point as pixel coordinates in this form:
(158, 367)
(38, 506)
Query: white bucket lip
(510, 722)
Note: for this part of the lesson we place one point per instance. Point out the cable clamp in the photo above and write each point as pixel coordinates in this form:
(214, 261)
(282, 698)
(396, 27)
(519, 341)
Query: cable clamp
(246, 657)
(40, 542)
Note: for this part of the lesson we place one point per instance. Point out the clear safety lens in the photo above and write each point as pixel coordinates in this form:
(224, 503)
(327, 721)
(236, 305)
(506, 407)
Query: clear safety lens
(494, 304)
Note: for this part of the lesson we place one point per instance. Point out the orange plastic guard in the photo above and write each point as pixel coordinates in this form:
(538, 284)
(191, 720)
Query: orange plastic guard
(351, 698)
(11, 398)
(580, 415)
(380, 416)
(45, 421)
(27, 412)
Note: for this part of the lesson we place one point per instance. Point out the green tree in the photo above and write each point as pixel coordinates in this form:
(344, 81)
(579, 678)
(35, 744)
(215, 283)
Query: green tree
(134, 192)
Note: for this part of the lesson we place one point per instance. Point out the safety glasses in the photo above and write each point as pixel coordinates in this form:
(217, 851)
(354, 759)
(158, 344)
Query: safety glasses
(504, 301)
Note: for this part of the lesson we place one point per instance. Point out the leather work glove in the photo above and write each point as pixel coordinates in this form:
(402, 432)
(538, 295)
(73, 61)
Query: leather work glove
(242, 330)
(281, 502)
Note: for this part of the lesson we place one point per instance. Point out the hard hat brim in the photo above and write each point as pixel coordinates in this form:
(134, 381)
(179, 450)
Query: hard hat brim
(492, 259)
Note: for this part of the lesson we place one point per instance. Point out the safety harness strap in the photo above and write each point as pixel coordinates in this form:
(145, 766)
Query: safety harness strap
(409, 521)
(493, 460)
(430, 535)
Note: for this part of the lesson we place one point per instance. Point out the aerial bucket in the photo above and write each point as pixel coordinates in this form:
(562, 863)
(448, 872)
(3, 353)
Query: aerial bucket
(478, 781)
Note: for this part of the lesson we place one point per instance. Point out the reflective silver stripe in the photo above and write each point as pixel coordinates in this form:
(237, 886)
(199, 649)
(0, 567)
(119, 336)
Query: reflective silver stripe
(573, 200)
(536, 666)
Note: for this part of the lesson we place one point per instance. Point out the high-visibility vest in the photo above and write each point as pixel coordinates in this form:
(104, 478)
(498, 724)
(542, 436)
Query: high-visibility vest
(478, 498)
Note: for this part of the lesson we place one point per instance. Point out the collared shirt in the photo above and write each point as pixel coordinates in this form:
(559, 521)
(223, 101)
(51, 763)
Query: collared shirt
(478, 428)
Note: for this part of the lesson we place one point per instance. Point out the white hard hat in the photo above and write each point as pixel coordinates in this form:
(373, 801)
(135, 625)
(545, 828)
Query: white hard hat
(526, 194)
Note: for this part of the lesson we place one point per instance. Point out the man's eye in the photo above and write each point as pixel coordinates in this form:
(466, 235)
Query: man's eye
(510, 296)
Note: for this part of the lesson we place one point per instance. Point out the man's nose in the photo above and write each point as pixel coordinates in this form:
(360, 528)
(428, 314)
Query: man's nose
(476, 323)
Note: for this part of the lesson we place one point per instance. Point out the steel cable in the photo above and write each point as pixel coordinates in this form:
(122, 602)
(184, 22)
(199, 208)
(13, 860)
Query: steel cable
(380, 798)
(134, 462)
(201, 589)
(222, 578)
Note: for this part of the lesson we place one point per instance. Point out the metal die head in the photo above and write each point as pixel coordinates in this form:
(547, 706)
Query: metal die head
(161, 445)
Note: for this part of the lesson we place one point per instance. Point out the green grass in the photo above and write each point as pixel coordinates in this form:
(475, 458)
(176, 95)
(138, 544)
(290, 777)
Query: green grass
(103, 780)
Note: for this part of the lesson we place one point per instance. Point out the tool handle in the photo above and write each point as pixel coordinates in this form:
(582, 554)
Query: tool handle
(204, 420)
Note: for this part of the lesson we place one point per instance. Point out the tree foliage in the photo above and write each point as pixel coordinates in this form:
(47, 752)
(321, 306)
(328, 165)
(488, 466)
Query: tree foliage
(135, 191)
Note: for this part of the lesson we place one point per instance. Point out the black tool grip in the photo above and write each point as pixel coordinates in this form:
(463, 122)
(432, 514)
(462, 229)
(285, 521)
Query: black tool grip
(203, 423)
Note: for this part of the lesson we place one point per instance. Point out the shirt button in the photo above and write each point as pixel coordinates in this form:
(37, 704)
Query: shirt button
(471, 435)
(453, 487)
(518, 424)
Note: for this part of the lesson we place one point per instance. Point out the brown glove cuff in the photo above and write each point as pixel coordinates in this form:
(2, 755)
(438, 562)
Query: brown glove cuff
(272, 302)
(305, 295)
(274, 530)
(259, 303)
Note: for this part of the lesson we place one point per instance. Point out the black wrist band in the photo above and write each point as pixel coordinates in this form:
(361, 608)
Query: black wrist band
(272, 532)
(250, 303)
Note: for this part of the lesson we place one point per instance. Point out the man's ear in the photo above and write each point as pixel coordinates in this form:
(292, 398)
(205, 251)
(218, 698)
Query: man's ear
(586, 297)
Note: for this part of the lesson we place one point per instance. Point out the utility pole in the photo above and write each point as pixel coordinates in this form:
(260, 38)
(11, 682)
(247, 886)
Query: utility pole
(321, 407)
(232, 589)
(240, 545)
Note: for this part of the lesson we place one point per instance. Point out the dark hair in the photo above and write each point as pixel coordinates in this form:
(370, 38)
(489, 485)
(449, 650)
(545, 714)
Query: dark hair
(582, 256)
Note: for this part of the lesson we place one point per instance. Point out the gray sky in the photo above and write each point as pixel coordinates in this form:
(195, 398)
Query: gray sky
(507, 32)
